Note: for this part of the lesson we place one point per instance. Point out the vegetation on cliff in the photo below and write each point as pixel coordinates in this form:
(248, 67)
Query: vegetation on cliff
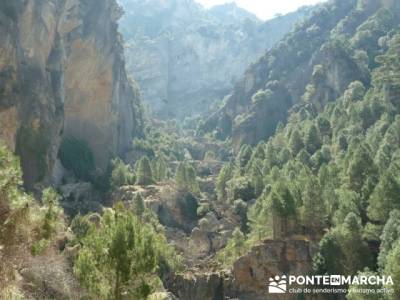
(333, 170)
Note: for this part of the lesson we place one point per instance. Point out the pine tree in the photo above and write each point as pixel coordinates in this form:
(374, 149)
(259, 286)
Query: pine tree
(238, 239)
(356, 252)
(53, 211)
(324, 126)
(312, 139)
(119, 256)
(224, 176)
(138, 205)
(144, 174)
(329, 258)
(392, 268)
(314, 209)
(121, 174)
(384, 156)
(259, 151)
(385, 197)
(390, 235)
(181, 176)
(353, 289)
(282, 208)
(360, 168)
(240, 208)
(271, 156)
(235, 248)
(244, 156)
(304, 157)
(186, 178)
(192, 179)
(257, 179)
(355, 92)
(296, 142)
(347, 201)
(159, 168)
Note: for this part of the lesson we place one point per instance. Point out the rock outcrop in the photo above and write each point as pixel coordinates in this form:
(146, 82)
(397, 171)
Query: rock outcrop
(249, 277)
(186, 57)
(252, 271)
(61, 62)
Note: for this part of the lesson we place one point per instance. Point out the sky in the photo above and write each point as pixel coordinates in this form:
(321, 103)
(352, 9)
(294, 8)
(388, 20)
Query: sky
(264, 9)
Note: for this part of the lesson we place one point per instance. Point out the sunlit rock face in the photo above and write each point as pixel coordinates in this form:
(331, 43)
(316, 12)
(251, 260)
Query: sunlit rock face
(62, 73)
(101, 107)
(185, 57)
(31, 97)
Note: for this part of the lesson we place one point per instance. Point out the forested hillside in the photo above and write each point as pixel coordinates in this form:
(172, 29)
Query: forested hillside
(336, 169)
(331, 173)
(294, 173)
(318, 60)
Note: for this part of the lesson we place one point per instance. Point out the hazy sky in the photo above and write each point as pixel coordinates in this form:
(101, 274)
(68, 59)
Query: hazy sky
(264, 9)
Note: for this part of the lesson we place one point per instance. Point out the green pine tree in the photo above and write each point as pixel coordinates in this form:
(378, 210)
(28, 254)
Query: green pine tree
(144, 175)
(312, 139)
(186, 178)
(138, 205)
(392, 268)
(224, 176)
(159, 168)
(296, 142)
(120, 256)
(356, 252)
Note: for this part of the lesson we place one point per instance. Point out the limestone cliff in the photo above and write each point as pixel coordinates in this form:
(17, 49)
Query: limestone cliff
(101, 107)
(62, 62)
(31, 97)
(186, 57)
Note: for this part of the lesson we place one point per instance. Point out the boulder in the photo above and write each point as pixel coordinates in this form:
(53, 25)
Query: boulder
(162, 296)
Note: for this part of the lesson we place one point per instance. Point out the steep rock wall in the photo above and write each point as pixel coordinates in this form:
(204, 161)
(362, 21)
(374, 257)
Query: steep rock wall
(101, 107)
(30, 98)
(186, 57)
(62, 61)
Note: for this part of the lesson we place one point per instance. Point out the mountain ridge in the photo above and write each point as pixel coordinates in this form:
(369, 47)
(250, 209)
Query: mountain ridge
(176, 53)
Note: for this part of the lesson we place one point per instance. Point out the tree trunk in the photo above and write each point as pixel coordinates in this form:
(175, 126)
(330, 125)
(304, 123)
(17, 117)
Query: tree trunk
(117, 287)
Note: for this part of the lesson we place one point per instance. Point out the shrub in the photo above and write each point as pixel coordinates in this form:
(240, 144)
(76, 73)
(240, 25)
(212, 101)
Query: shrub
(40, 246)
(52, 220)
(121, 174)
(240, 188)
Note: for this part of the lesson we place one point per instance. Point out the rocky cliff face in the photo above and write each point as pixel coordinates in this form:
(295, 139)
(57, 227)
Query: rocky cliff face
(31, 98)
(313, 65)
(186, 57)
(101, 107)
(249, 277)
(62, 62)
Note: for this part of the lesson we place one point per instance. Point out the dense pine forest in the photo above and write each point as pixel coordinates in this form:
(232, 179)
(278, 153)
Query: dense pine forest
(159, 150)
